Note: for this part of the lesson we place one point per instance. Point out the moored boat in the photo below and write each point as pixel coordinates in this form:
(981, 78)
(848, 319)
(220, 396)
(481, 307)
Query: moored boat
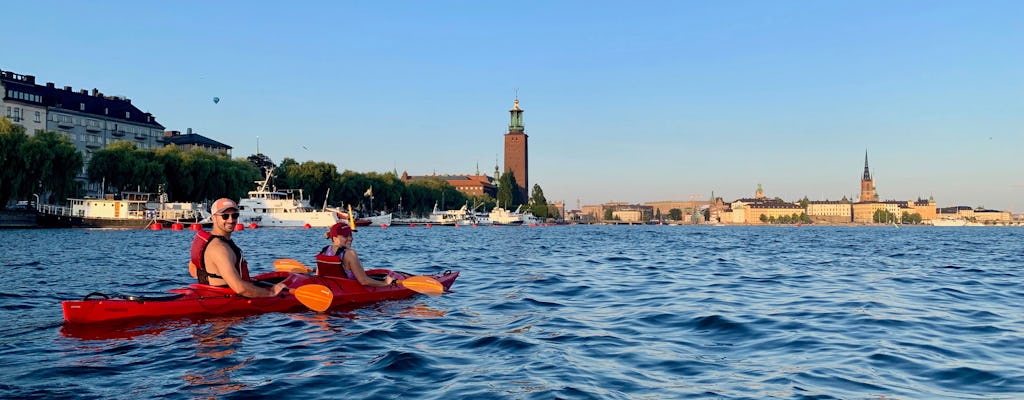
(949, 222)
(205, 300)
(127, 210)
(269, 207)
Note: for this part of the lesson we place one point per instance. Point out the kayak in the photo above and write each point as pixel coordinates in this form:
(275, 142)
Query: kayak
(205, 300)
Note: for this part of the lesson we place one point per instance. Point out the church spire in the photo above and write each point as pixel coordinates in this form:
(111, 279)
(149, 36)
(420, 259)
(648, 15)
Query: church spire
(867, 172)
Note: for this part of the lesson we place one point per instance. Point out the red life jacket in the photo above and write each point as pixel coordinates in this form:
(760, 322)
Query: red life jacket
(330, 265)
(198, 251)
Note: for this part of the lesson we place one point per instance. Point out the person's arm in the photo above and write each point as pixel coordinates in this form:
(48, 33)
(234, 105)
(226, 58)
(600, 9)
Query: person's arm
(222, 259)
(351, 261)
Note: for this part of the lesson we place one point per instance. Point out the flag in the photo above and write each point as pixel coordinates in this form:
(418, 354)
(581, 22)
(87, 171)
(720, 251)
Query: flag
(369, 192)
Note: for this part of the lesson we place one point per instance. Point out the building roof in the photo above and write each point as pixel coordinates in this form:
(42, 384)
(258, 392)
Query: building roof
(194, 139)
(106, 107)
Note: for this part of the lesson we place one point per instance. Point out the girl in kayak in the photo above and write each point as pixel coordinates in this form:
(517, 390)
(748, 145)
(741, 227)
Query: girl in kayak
(339, 259)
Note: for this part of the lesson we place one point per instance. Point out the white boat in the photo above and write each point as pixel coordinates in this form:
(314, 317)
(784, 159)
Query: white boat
(949, 222)
(474, 219)
(502, 216)
(269, 207)
(447, 217)
(380, 220)
(129, 210)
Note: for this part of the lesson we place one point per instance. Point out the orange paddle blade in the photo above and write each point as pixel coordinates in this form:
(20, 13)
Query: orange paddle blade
(424, 284)
(291, 265)
(316, 297)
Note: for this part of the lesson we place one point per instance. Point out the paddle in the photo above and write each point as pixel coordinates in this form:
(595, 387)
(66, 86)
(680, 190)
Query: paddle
(291, 265)
(316, 297)
(423, 284)
(420, 284)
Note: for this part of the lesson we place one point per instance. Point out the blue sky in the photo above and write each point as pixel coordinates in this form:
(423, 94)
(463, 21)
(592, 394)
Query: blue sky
(641, 102)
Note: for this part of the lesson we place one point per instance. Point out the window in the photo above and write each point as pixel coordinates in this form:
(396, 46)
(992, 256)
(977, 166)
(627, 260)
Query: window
(37, 117)
(17, 114)
(81, 106)
(8, 111)
(127, 115)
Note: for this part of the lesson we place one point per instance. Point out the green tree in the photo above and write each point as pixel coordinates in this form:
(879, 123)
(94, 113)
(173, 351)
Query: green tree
(314, 178)
(804, 202)
(262, 162)
(508, 192)
(675, 214)
(12, 164)
(764, 218)
(52, 164)
(538, 204)
(121, 166)
(608, 214)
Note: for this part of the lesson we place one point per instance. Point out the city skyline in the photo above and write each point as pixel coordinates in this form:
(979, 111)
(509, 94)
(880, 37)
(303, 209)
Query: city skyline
(652, 102)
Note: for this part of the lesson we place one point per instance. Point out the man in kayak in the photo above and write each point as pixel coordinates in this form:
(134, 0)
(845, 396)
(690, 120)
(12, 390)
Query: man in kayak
(338, 259)
(219, 261)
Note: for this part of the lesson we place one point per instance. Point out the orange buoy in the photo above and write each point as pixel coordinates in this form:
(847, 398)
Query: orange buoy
(429, 225)
(239, 227)
(307, 226)
(252, 225)
(177, 226)
(156, 226)
(195, 227)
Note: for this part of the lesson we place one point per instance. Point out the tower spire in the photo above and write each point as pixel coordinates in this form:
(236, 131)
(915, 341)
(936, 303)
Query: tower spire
(867, 185)
(867, 172)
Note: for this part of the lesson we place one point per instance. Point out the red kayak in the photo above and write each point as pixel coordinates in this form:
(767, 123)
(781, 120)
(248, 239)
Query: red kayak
(206, 300)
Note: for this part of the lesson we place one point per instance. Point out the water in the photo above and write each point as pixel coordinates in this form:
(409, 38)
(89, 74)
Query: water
(637, 312)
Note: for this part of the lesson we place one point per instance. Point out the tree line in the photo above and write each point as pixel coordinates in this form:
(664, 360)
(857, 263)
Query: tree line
(48, 162)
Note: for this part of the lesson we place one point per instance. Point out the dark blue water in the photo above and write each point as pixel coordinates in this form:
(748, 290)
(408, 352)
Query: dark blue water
(548, 312)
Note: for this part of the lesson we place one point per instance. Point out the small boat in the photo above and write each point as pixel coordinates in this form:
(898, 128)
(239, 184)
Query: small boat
(949, 222)
(270, 207)
(447, 217)
(502, 216)
(198, 300)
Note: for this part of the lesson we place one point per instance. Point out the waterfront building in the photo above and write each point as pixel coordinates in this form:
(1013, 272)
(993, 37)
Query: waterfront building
(89, 119)
(865, 212)
(468, 184)
(761, 209)
(620, 212)
(830, 211)
(516, 159)
(768, 209)
(191, 141)
(992, 216)
(687, 207)
(924, 208)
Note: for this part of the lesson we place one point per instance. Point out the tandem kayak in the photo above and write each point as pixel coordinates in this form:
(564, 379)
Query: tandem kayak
(205, 300)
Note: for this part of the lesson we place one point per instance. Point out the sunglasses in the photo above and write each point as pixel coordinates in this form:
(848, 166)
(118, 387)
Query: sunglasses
(226, 216)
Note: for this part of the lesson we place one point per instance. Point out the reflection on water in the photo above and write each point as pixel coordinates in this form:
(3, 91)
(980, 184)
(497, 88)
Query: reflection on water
(215, 344)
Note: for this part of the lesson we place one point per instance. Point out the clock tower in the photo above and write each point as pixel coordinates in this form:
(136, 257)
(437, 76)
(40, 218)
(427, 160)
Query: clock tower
(516, 150)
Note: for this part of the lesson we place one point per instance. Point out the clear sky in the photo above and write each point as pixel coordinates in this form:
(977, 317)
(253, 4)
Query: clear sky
(638, 102)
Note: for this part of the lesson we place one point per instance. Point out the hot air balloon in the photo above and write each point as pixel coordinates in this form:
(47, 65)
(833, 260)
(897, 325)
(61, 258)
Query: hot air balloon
(216, 100)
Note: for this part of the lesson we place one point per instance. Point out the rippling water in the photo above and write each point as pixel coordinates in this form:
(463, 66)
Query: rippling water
(548, 312)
